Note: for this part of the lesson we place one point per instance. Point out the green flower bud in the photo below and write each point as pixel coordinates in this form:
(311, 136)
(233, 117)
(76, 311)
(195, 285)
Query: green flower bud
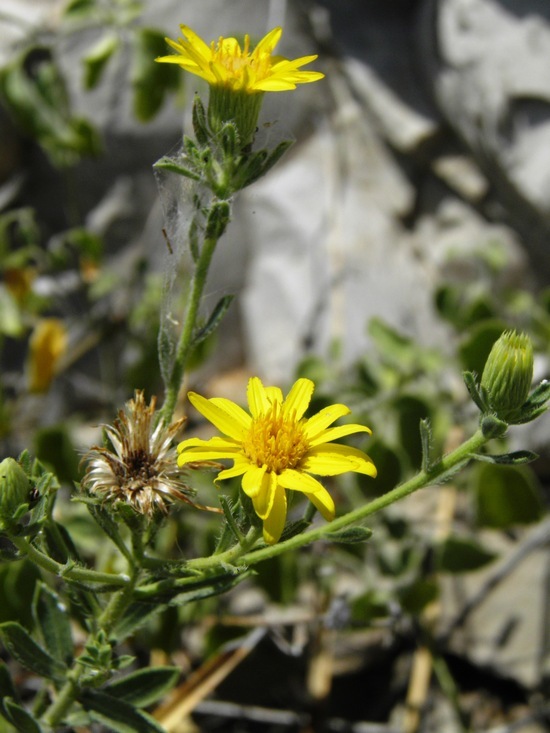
(508, 374)
(14, 487)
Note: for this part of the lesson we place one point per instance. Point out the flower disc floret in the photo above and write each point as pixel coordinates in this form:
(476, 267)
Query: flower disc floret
(275, 441)
(274, 448)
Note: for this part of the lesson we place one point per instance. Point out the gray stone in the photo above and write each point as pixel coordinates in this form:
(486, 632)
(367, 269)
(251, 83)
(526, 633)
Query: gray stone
(487, 63)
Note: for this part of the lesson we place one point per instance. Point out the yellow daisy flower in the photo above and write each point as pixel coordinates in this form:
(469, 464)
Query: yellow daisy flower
(275, 448)
(227, 64)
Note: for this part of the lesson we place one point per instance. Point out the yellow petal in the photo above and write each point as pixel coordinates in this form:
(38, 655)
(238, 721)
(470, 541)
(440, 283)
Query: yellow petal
(298, 398)
(274, 523)
(258, 401)
(274, 394)
(332, 460)
(196, 449)
(338, 432)
(313, 489)
(269, 41)
(252, 482)
(263, 501)
(197, 44)
(240, 466)
(287, 65)
(319, 422)
(324, 504)
(236, 411)
(229, 421)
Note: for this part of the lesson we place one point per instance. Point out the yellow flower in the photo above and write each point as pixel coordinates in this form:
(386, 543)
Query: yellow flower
(227, 64)
(275, 448)
(47, 345)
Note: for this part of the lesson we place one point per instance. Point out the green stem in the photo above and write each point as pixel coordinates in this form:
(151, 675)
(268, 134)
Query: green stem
(117, 605)
(447, 465)
(66, 571)
(229, 556)
(62, 703)
(198, 282)
(59, 708)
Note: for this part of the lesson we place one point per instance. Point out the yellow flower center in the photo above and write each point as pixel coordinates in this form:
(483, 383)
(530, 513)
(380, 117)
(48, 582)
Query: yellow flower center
(275, 440)
(240, 63)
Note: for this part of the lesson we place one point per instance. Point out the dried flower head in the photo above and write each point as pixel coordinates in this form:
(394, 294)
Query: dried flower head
(140, 468)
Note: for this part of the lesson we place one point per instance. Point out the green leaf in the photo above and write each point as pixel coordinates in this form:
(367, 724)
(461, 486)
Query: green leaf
(515, 458)
(219, 216)
(26, 651)
(135, 616)
(168, 164)
(53, 621)
(53, 446)
(462, 555)
(418, 594)
(97, 59)
(80, 8)
(105, 520)
(200, 125)
(144, 687)
(471, 383)
(116, 714)
(536, 404)
(506, 496)
(294, 528)
(411, 412)
(17, 583)
(34, 88)
(369, 606)
(19, 717)
(151, 80)
(392, 344)
(215, 319)
(349, 535)
(7, 688)
(215, 586)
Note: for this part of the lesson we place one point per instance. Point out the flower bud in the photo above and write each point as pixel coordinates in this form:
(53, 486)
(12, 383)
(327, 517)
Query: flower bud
(508, 375)
(14, 487)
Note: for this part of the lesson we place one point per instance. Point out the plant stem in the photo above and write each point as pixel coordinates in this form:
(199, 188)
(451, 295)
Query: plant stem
(185, 344)
(67, 695)
(119, 602)
(66, 571)
(448, 464)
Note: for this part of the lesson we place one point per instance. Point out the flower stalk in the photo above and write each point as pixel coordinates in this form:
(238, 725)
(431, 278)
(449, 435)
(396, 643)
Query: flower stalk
(188, 332)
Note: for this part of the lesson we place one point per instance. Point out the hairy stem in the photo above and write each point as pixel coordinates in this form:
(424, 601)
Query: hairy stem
(66, 571)
(185, 344)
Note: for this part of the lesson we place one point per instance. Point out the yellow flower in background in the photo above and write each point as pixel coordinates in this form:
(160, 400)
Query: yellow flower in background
(275, 448)
(226, 64)
(48, 343)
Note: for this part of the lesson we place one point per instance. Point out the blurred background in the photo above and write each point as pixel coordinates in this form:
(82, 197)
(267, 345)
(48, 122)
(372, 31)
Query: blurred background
(403, 232)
